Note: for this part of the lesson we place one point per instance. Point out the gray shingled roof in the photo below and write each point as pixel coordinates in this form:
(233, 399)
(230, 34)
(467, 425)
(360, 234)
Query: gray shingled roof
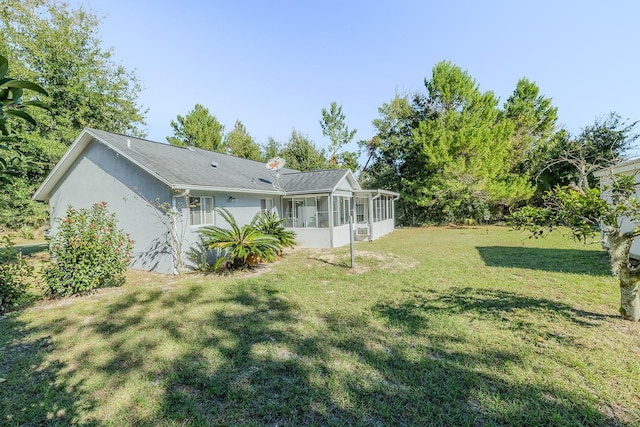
(323, 181)
(182, 166)
(194, 168)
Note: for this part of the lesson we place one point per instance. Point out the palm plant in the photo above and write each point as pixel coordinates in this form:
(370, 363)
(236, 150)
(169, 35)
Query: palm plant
(269, 223)
(241, 246)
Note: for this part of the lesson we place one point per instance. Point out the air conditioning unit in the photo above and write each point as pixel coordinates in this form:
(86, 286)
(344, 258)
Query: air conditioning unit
(362, 232)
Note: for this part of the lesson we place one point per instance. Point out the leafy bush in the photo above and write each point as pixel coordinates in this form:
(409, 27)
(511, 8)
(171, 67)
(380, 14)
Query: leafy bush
(269, 223)
(27, 232)
(199, 257)
(14, 273)
(88, 252)
(239, 246)
(17, 208)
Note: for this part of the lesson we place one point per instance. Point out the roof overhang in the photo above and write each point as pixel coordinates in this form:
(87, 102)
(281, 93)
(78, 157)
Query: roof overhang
(632, 166)
(58, 171)
(86, 137)
(377, 192)
(356, 192)
(73, 153)
(351, 179)
(303, 192)
(206, 188)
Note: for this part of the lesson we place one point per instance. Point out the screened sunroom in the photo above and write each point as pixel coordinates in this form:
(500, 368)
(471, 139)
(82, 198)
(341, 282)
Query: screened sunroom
(322, 220)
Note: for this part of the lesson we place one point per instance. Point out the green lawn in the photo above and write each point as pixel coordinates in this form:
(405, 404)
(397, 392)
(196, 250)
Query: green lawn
(435, 326)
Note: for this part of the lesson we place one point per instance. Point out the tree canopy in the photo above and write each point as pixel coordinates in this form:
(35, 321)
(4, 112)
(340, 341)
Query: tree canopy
(198, 128)
(465, 149)
(535, 127)
(334, 127)
(12, 105)
(58, 47)
(240, 144)
(301, 153)
(271, 149)
(571, 158)
(450, 151)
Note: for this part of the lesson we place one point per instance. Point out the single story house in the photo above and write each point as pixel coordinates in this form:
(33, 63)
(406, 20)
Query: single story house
(142, 180)
(605, 176)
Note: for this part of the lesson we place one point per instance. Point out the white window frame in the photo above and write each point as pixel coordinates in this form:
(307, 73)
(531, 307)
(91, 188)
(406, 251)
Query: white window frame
(382, 208)
(290, 211)
(267, 205)
(202, 210)
(341, 210)
(362, 210)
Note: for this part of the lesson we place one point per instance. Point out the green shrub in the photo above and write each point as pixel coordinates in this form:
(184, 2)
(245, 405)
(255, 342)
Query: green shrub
(199, 257)
(14, 273)
(87, 252)
(17, 208)
(239, 246)
(269, 223)
(27, 232)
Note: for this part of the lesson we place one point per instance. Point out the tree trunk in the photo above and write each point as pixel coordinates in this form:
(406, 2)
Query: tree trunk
(629, 301)
(619, 248)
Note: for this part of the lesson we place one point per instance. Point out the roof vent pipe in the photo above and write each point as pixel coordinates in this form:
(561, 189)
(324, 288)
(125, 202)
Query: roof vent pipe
(128, 143)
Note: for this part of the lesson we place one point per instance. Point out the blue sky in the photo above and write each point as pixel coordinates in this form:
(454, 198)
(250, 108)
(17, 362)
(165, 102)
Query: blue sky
(275, 64)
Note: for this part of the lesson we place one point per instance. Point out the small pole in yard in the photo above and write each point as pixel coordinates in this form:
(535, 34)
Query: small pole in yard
(353, 255)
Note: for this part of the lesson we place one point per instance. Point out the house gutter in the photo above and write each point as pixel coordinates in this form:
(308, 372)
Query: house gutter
(623, 168)
(179, 187)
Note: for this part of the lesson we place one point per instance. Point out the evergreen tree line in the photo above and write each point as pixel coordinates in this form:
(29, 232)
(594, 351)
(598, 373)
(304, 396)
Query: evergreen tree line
(455, 155)
(452, 151)
(199, 128)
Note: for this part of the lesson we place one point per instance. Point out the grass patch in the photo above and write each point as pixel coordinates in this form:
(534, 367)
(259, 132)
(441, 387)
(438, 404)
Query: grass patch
(434, 326)
(36, 250)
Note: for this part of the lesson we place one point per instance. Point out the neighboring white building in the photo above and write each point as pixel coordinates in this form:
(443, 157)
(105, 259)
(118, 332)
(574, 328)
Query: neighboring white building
(631, 167)
(128, 173)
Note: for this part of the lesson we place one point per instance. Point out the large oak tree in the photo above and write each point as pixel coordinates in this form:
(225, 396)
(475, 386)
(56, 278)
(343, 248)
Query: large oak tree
(57, 46)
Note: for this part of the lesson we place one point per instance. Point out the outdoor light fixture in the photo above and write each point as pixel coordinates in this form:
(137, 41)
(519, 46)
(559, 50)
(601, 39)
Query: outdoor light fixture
(232, 199)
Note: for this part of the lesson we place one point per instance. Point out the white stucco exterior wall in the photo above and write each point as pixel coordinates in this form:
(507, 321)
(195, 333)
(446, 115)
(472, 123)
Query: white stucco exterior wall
(381, 228)
(102, 176)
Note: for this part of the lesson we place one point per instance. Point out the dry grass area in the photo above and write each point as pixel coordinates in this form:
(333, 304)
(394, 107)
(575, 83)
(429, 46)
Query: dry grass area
(364, 260)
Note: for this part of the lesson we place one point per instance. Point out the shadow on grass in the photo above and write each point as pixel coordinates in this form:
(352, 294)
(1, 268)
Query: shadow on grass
(333, 263)
(411, 384)
(36, 388)
(26, 249)
(576, 261)
(253, 361)
(253, 358)
(514, 309)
